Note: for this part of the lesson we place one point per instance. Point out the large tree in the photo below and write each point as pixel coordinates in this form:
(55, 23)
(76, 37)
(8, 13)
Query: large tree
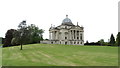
(8, 37)
(35, 33)
(27, 34)
(21, 35)
(101, 41)
(112, 40)
(23, 32)
(118, 39)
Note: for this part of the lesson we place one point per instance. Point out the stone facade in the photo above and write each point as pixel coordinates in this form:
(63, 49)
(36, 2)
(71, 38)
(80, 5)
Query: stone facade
(67, 33)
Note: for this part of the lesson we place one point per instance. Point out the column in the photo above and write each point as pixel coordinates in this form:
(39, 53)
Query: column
(79, 35)
(76, 34)
(72, 34)
(57, 35)
(83, 36)
(53, 35)
(49, 35)
(62, 34)
(69, 35)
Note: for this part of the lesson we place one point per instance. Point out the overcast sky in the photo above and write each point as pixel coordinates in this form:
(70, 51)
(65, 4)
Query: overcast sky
(98, 17)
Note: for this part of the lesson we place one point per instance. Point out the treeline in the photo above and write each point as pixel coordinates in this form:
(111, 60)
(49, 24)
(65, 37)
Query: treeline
(112, 41)
(25, 34)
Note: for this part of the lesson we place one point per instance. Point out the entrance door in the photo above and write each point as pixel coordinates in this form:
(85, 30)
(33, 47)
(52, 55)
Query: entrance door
(65, 43)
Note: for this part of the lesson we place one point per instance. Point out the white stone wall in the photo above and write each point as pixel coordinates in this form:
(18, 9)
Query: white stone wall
(45, 42)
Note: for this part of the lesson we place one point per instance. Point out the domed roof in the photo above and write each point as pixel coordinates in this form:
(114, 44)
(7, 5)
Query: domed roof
(67, 21)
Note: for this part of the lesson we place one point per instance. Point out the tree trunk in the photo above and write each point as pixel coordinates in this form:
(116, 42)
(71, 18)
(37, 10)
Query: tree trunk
(21, 44)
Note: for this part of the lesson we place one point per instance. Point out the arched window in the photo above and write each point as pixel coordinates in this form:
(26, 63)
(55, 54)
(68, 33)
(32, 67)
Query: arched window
(65, 37)
(65, 27)
(66, 33)
(81, 42)
(77, 33)
(65, 43)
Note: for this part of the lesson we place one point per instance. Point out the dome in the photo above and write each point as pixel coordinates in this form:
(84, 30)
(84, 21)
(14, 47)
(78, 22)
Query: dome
(67, 21)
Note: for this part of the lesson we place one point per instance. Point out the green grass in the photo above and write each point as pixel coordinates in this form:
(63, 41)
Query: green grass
(60, 55)
(0, 57)
(1, 44)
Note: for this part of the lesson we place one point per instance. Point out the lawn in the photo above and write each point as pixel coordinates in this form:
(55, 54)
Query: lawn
(1, 44)
(59, 55)
(0, 57)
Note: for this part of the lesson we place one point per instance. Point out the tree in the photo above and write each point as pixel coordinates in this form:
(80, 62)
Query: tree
(27, 34)
(21, 35)
(8, 37)
(16, 38)
(112, 40)
(0, 40)
(101, 42)
(35, 33)
(118, 39)
(13, 41)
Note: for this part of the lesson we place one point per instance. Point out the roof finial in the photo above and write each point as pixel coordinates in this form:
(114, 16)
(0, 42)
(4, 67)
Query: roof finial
(66, 16)
(77, 23)
(51, 25)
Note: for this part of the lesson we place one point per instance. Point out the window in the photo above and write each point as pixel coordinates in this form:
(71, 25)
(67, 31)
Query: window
(77, 42)
(66, 33)
(65, 37)
(65, 43)
(77, 37)
(59, 32)
(51, 42)
(81, 42)
(74, 34)
(81, 36)
(77, 32)
(65, 27)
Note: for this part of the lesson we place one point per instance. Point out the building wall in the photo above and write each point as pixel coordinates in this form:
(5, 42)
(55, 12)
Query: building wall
(67, 35)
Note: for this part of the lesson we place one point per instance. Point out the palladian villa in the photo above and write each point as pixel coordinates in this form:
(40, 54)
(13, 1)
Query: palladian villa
(67, 33)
